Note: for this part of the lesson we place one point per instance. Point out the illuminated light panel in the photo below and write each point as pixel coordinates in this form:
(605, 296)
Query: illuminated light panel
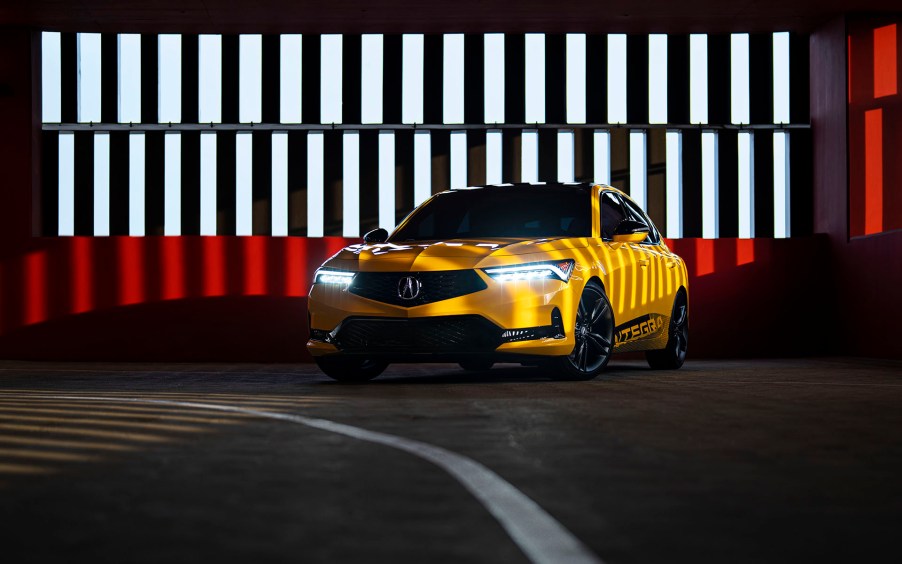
(209, 85)
(81, 266)
(136, 184)
(101, 184)
(422, 167)
(529, 156)
(535, 78)
(710, 186)
(745, 251)
(214, 266)
(51, 77)
(739, 78)
(172, 266)
(493, 156)
(350, 183)
(674, 183)
(565, 156)
(172, 184)
(255, 279)
(704, 257)
(330, 78)
(746, 169)
(458, 159)
(208, 184)
(873, 171)
(244, 183)
(169, 54)
(88, 47)
(296, 280)
(291, 50)
(130, 259)
(129, 66)
(387, 180)
(493, 75)
(250, 78)
(781, 77)
(412, 78)
(885, 66)
(35, 307)
(698, 78)
(453, 78)
(315, 209)
(576, 78)
(601, 141)
(66, 198)
(657, 78)
(638, 169)
(371, 78)
(616, 78)
(280, 184)
(781, 184)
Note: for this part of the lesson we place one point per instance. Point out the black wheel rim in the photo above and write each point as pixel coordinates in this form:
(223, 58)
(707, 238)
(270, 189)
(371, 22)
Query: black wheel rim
(679, 332)
(594, 332)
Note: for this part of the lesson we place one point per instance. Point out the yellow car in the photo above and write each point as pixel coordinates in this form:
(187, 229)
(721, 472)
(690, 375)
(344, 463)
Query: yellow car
(560, 275)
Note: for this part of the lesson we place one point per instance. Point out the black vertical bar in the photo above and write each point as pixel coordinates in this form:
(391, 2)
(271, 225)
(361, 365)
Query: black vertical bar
(332, 182)
(230, 80)
(350, 78)
(474, 78)
(764, 183)
(596, 78)
(798, 79)
(514, 78)
(403, 174)
(154, 190)
(510, 155)
(761, 78)
(297, 183)
(262, 183)
(801, 192)
(190, 78)
(692, 183)
(476, 155)
(433, 85)
(637, 78)
(391, 78)
(84, 183)
(547, 155)
(270, 88)
(68, 79)
(678, 79)
(728, 182)
(190, 182)
(149, 94)
(119, 182)
(719, 91)
(310, 78)
(440, 147)
(369, 181)
(225, 183)
(555, 78)
(109, 78)
(49, 183)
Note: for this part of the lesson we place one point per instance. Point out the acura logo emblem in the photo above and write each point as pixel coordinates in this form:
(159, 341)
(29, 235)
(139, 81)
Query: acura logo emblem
(409, 288)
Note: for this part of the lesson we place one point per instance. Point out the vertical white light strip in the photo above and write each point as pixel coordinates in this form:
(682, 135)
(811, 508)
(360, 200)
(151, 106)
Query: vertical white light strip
(422, 167)
(739, 78)
(458, 159)
(746, 169)
(136, 181)
(315, 209)
(350, 184)
(387, 180)
(250, 78)
(576, 78)
(371, 78)
(781, 77)
(674, 186)
(290, 81)
(638, 168)
(209, 87)
(330, 79)
(412, 78)
(565, 156)
(88, 48)
(244, 183)
(493, 75)
(535, 78)
(208, 184)
(616, 78)
(129, 47)
(529, 156)
(279, 214)
(781, 184)
(657, 78)
(698, 78)
(601, 143)
(66, 183)
(493, 156)
(169, 60)
(101, 184)
(51, 77)
(172, 184)
(710, 186)
(453, 78)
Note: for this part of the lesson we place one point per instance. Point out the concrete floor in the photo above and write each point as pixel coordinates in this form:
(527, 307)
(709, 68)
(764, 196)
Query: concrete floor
(722, 461)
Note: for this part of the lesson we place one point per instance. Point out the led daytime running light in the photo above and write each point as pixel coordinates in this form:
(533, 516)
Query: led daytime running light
(536, 271)
(333, 277)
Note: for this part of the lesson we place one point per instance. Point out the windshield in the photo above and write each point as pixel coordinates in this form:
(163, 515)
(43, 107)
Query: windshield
(529, 212)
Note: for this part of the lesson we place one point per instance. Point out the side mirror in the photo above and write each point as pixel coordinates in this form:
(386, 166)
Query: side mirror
(376, 236)
(629, 231)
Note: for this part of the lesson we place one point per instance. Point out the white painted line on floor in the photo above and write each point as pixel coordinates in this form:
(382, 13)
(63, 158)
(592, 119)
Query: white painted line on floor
(541, 538)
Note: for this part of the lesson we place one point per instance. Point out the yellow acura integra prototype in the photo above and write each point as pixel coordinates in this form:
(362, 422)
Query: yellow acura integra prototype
(561, 275)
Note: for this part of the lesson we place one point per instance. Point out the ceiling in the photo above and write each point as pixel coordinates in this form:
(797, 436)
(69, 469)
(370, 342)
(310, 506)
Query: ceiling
(391, 16)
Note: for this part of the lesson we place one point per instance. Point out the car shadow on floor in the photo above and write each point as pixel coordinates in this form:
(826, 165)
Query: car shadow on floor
(501, 374)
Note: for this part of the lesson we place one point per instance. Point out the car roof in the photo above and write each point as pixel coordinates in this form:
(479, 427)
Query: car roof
(539, 185)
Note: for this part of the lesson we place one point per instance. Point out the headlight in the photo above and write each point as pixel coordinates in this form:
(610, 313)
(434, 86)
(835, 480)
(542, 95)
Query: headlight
(324, 276)
(559, 269)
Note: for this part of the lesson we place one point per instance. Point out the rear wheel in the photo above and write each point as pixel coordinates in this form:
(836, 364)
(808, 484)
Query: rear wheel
(594, 336)
(345, 369)
(673, 355)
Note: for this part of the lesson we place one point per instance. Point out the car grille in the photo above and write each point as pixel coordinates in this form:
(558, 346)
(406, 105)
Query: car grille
(455, 333)
(435, 286)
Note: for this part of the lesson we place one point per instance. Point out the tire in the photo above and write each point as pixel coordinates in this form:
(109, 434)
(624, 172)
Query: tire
(673, 355)
(476, 365)
(346, 369)
(594, 335)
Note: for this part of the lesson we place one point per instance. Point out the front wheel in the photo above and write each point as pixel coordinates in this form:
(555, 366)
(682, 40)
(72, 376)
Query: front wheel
(594, 336)
(345, 369)
(673, 355)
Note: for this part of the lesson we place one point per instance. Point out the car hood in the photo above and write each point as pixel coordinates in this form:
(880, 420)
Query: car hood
(444, 255)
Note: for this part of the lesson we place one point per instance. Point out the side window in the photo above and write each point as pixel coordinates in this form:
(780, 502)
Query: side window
(612, 213)
(637, 214)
